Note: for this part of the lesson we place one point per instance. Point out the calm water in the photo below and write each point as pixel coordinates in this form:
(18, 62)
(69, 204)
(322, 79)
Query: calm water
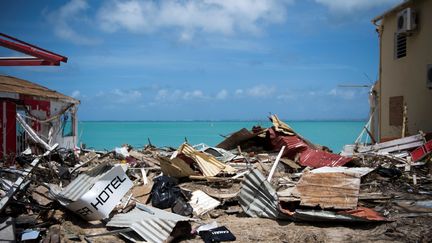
(107, 134)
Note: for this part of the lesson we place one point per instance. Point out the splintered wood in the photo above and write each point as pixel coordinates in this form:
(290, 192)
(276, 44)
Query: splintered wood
(329, 190)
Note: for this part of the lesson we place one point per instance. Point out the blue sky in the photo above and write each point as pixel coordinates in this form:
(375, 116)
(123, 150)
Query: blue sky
(203, 59)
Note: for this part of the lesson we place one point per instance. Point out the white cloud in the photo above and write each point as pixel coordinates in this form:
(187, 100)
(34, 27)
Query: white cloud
(195, 94)
(260, 91)
(239, 92)
(349, 6)
(76, 94)
(225, 17)
(62, 18)
(344, 94)
(120, 96)
(221, 95)
(171, 96)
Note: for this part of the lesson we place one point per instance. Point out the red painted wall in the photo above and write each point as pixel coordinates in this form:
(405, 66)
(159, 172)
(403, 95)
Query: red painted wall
(10, 128)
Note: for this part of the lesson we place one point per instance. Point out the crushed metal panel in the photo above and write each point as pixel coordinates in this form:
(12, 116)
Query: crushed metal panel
(257, 197)
(202, 203)
(94, 195)
(325, 216)
(80, 185)
(318, 158)
(308, 155)
(175, 167)
(208, 165)
(152, 224)
(7, 230)
(337, 190)
(236, 138)
(220, 154)
(365, 213)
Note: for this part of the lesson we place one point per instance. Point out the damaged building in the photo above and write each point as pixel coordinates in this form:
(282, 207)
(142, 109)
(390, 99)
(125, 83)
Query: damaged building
(52, 115)
(403, 93)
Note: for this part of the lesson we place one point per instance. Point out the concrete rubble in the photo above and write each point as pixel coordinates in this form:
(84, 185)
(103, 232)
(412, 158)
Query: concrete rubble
(92, 196)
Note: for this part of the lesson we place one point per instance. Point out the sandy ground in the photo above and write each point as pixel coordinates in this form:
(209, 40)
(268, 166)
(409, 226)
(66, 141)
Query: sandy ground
(266, 230)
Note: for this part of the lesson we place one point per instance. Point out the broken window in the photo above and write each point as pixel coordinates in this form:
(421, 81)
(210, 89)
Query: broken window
(68, 124)
(400, 45)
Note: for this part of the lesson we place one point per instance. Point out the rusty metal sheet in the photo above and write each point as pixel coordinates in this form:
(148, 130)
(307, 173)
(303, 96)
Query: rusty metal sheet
(208, 164)
(12, 85)
(318, 158)
(361, 215)
(365, 213)
(236, 139)
(329, 190)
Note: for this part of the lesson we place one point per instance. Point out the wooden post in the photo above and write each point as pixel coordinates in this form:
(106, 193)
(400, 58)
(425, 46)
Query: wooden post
(275, 164)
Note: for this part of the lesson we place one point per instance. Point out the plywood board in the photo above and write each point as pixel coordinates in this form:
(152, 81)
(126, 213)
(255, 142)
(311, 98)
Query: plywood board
(329, 190)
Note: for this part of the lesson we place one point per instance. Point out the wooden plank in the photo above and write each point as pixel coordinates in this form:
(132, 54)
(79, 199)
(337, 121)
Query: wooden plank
(394, 145)
(329, 190)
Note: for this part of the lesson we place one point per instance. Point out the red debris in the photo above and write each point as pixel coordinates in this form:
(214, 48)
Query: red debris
(365, 213)
(307, 155)
(421, 152)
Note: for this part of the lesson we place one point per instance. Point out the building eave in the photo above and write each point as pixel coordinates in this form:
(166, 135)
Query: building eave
(396, 8)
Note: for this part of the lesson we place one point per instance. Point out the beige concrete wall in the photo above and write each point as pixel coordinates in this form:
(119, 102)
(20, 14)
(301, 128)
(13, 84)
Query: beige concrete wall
(407, 76)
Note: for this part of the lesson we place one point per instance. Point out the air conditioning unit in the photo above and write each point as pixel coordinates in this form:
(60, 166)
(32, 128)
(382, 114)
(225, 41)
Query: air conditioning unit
(429, 76)
(406, 21)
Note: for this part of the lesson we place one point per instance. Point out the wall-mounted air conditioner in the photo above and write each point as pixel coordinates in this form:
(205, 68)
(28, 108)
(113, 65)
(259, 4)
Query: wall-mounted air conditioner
(429, 76)
(406, 21)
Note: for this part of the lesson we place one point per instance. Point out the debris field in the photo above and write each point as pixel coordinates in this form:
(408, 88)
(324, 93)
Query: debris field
(259, 185)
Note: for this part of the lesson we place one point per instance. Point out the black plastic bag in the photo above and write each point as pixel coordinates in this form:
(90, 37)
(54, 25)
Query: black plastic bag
(164, 192)
(182, 207)
(217, 235)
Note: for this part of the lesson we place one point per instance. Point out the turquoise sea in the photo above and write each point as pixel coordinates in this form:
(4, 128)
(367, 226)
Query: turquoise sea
(102, 135)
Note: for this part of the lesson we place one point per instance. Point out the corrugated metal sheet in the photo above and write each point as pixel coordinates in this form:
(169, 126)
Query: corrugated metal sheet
(208, 165)
(308, 156)
(257, 197)
(15, 85)
(152, 224)
(202, 203)
(318, 158)
(80, 185)
(220, 154)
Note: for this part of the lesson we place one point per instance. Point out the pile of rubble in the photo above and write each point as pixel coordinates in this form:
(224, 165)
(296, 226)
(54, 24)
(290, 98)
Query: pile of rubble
(165, 194)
